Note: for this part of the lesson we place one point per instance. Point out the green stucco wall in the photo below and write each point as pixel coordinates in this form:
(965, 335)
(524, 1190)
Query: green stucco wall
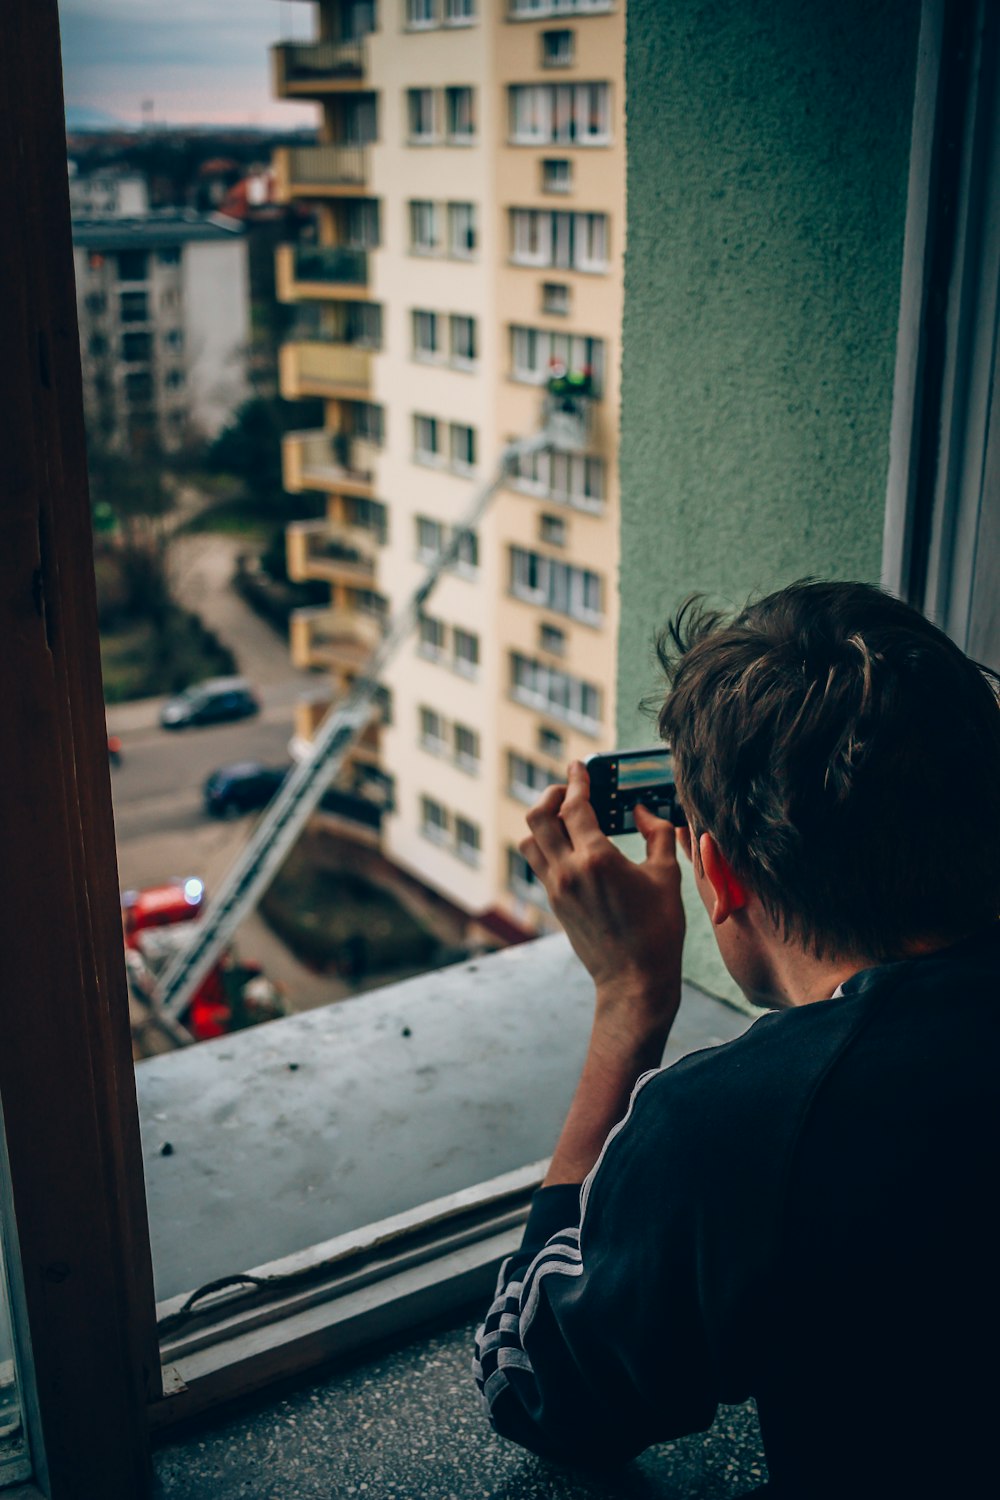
(768, 145)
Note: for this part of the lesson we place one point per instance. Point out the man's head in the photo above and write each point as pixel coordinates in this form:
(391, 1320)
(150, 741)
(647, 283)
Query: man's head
(845, 757)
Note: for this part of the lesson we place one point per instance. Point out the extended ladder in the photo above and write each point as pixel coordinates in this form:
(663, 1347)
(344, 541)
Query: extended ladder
(344, 724)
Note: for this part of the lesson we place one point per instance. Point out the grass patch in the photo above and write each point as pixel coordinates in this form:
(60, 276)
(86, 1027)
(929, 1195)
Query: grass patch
(338, 919)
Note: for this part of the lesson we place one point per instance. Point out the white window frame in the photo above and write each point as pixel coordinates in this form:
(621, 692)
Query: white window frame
(421, 125)
(425, 227)
(460, 114)
(467, 557)
(465, 651)
(433, 743)
(555, 182)
(467, 760)
(463, 226)
(550, 56)
(532, 349)
(426, 340)
(555, 299)
(421, 15)
(432, 638)
(526, 779)
(463, 442)
(460, 13)
(470, 847)
(530, 114)
(438, 831)
(430, 538)
(458, 324)
(559, 586)
(555, 693)
(427, 440)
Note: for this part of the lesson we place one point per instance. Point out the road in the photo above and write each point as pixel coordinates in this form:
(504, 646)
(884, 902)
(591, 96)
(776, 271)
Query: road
(160, 825)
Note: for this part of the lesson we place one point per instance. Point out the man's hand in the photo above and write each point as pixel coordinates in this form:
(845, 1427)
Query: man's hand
(625, 921)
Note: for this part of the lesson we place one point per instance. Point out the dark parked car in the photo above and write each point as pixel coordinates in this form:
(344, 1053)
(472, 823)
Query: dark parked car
(242, 788)
(212, 702)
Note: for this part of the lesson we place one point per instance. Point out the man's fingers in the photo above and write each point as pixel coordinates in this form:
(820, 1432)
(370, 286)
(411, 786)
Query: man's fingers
(533, 856)
(546, 825)
(577, 811)
(660, 836)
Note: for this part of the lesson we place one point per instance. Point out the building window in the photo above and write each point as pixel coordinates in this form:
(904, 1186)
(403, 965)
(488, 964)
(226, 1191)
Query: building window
(175, 380)
(170, 255)
(552, 529)
(575, 479)
(426, 440)
(173, 338)
(552, 640)
(537, 685)
(98, 345)
(425, 335)
(467, 556)
(534, 10)
(555, 298)
(551, 743)
(421, 14)
(563, 114)
(420, 116)
(526, 781)
(360, 224)
(522, 880)
(433, 735)
(459, 12)
(133, 265)
(430, 539)
(433, 637)
(534, 349)
(134, 307)
(139, 386)
(557, 175)
(463, 447)
(136, 347)
(555, 585)
(569, 242)
(367, 422)
(467, 840)
(460, 115)
(96, 303)
(466, 748)
(433, 820)
(466, 652)
(462, 230)
(424, 238)
(463, 340)
(557, 49)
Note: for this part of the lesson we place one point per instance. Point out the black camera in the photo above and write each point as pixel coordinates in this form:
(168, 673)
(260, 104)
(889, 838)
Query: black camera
(619, 780)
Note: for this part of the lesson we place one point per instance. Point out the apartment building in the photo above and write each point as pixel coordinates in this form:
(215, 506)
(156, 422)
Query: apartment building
(164, 311)
(467, 219)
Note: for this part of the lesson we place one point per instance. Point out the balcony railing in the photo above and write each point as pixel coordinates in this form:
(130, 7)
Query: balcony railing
(326, 461)
(330, 264)
(333, 637)
(336, 550)
(311, 169)
(311, 67)
(315, 368)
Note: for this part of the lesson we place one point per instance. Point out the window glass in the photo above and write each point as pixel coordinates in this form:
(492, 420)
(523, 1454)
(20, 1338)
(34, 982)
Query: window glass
(420, 114)
(460, 114)
(432, 636)
(425, 334)
(434, 820)
(463, 446)
(421, 12)
(557, 49)
(566, 697)
(557, 176)
(459, 12)
(433, 735)
(423, 226)
(425, 438)
(430, 538)
(467, 840)
(566, 114)
(134, 307)
(466, 644)
(463, 339)
(466, 748)
(133, 265)
(462, 229)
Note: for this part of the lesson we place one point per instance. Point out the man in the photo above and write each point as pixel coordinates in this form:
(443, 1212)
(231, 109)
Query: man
(806, 1214)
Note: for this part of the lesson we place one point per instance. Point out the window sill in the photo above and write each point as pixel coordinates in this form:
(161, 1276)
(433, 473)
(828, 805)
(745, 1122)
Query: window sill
(256, 1107)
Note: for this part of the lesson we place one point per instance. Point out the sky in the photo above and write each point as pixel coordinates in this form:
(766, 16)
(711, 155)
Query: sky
(199, 61)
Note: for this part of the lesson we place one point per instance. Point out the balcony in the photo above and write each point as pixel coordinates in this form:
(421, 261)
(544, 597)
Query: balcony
(320, 171)
(314, 271)
(315, 368)
(332, 550)
(327, 461)
(303, 70)
(333, 638)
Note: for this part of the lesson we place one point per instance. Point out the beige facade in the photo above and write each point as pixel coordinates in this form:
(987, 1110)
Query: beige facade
(468, 199)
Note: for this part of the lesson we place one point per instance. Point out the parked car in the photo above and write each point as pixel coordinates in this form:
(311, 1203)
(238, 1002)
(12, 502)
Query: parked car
(242, 787)
(212, 702)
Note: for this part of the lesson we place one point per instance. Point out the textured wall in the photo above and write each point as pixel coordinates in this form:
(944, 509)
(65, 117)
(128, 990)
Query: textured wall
(767, 164)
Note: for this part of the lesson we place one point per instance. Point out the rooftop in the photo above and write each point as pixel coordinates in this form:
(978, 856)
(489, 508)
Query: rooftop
(161, 226)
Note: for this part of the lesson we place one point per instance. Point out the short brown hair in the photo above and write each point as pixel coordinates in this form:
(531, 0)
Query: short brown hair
(845, 755)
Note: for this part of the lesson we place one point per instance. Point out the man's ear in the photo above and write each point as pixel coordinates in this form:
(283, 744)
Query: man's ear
(730, 894)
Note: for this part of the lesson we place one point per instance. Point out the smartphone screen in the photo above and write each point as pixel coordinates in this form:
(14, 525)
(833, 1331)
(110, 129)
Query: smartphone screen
(619, 780)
